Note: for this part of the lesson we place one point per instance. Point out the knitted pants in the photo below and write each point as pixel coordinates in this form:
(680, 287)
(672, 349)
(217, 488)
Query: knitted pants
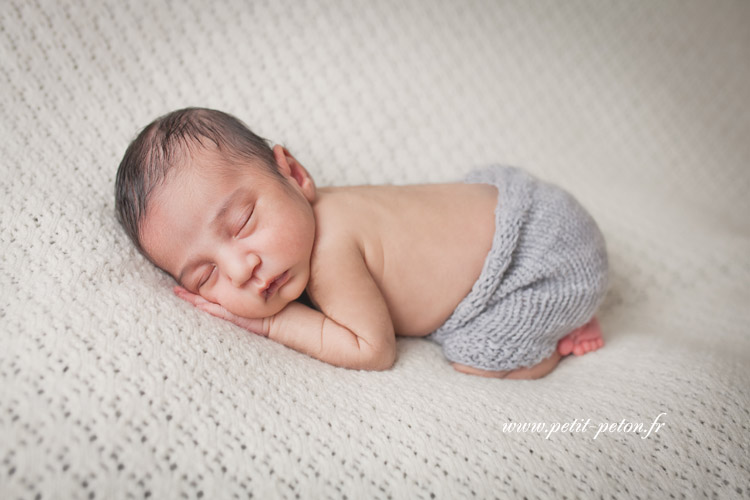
(544, 276)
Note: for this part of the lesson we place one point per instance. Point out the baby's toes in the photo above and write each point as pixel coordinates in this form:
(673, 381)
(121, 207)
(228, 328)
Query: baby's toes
(582, 348)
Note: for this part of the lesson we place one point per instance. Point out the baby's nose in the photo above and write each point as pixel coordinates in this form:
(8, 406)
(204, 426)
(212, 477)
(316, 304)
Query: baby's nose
(240, 267)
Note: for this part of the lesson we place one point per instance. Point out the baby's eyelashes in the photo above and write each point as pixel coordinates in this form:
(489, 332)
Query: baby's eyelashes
(206, 277)
(244, 224)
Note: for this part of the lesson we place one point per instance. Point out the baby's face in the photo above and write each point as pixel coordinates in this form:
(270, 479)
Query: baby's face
(239, 237)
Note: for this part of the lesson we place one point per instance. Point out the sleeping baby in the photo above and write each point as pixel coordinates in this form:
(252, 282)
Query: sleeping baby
(504, 271)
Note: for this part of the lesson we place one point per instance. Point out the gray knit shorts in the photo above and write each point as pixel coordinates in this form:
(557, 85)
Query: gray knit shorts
(544, 276)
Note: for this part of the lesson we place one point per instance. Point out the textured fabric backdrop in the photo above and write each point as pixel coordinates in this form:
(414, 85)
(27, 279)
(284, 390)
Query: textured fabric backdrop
(111, 387)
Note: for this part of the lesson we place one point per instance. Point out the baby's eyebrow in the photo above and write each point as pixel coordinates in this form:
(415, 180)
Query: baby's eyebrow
(230, 201)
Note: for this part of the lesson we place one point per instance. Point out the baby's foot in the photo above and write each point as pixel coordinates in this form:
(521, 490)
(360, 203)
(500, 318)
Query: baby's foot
(582, 340)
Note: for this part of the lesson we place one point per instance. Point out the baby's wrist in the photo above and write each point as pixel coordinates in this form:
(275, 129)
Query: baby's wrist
(265, 328)
(283, 326)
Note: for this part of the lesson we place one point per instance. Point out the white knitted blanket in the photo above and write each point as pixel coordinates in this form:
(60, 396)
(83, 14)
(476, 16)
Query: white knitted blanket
(111, 387)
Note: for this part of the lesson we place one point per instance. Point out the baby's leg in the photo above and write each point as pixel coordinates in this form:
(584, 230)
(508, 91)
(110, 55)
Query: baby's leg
(532, 372)
(582, 340)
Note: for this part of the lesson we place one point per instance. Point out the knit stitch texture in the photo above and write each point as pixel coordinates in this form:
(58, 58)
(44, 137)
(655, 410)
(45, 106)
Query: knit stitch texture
(544, 276)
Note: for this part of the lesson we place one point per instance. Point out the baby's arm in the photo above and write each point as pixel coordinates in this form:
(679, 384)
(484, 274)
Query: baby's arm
(353, 331)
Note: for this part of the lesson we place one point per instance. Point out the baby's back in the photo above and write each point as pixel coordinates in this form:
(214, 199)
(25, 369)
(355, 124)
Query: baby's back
(425, 245)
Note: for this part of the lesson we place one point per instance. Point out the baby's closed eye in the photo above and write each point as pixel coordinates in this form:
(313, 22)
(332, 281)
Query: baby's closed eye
(244, 222)
(206, 276)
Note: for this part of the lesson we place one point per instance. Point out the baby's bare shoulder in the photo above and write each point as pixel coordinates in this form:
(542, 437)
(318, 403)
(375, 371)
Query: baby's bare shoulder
(335, 210)
(335, 235)
(337, 264)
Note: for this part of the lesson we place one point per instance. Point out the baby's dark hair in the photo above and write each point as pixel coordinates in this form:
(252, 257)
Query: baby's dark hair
(169, 140)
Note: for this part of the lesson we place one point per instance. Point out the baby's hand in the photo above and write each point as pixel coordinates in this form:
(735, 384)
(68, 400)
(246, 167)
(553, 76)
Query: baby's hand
(257, 326)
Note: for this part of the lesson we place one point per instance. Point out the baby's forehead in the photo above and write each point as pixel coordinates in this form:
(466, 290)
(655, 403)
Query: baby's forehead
(199, 166)
(205, 177)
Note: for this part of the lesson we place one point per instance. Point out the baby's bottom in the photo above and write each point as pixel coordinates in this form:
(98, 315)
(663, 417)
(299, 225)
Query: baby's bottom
(580, 341)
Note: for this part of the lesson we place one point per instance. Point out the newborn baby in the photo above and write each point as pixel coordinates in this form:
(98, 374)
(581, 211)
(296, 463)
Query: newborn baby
(504, 271)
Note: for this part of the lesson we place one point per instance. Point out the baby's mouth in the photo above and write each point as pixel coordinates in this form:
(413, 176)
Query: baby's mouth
(274, 285)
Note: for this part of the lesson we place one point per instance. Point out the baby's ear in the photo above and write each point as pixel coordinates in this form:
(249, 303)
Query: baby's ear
(294, 172)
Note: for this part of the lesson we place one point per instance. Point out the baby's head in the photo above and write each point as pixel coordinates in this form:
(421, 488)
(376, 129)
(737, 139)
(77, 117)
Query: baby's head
(210, 203)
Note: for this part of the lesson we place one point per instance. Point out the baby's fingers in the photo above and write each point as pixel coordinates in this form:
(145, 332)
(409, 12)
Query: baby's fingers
(251, 325)
(185, 295)
(203, 304)
(215, 310)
